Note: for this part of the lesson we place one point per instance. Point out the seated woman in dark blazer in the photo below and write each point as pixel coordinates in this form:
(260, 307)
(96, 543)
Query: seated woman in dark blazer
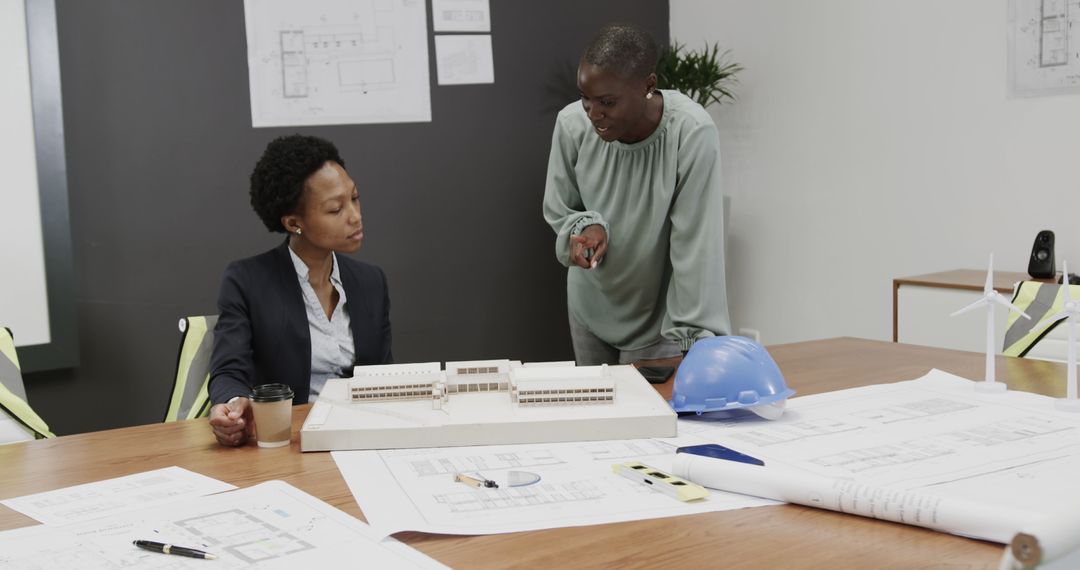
(299, 313)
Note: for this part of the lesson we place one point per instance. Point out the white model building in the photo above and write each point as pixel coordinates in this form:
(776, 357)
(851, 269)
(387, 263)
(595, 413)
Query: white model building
(561, 386)
(477, 376)
(382, 382)
(554, 385)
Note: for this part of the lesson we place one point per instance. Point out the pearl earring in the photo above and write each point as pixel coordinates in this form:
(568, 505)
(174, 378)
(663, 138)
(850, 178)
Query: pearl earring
(649, 95)
(298, 232)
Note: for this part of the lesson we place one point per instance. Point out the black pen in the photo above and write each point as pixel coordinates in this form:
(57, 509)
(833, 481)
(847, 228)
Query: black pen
(170, 549)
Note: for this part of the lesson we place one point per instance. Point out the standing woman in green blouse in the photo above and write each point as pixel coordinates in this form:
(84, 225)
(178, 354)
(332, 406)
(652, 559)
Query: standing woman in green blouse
(633, 195)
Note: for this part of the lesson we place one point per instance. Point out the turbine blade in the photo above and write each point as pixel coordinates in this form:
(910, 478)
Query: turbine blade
(970, 307)
(989, 275)
(1001, 301)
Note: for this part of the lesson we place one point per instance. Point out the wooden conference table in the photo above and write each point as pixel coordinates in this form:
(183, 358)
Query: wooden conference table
(786, 536)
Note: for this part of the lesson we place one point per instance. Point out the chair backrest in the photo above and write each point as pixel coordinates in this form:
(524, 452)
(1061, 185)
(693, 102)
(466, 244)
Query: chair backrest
(1038, 338)
(189, 398)
(18, 422)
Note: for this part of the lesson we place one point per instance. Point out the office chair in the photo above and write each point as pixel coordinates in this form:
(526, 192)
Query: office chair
(1035, 338)
(189, 398)
(18, 421)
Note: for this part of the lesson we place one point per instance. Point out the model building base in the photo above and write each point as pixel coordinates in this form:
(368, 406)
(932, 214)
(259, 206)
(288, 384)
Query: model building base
(338, 421)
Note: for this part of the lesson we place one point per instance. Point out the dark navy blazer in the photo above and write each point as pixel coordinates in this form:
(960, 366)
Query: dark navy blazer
(262, 332)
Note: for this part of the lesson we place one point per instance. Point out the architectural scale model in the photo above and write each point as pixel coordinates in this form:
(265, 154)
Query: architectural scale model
(483, 402)
(533, 386)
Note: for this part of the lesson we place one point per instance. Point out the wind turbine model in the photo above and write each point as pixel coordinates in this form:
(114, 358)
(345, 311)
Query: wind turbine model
(1070, 311)
(990, 296)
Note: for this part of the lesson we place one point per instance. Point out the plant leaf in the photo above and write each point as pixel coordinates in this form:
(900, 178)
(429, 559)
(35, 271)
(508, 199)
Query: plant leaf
(707, 76)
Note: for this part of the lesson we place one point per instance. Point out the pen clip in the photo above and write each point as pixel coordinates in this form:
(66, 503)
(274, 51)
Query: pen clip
(480, 482)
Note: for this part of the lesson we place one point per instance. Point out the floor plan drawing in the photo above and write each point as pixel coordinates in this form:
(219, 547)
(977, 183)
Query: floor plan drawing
(616, 451)
(442, 466)
(796, 431)
(914, 410)
(336, 62)
(130, 492)
(1044, 47)
(270, 525)
(576, 485)
(572, 491)
(245, 536)
(956, 436)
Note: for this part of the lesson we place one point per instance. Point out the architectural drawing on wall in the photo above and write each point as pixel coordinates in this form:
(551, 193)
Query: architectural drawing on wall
(1044, 47)
(337, 62)
(464, 59)
(461, 15)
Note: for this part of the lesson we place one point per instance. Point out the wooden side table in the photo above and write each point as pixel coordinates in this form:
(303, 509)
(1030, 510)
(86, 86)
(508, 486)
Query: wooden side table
(922, 305)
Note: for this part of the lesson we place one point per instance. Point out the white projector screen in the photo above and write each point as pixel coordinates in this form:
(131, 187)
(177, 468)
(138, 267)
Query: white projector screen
(24, 304)
(37, 300)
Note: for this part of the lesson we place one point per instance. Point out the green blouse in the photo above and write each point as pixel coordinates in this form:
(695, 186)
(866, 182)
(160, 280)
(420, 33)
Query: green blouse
(660, 201)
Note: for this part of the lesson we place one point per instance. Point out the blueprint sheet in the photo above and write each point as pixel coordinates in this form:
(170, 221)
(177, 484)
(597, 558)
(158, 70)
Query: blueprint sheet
(128, 493)
(414, 489)
(935, 433)
(271, 525)
(327, 62)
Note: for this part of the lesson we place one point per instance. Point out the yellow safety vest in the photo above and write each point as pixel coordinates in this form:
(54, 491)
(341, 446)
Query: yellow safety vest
(12, 395)
(1039, 300)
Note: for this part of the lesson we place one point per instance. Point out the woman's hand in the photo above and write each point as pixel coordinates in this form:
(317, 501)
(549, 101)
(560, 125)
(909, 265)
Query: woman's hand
(233, 423)
(593, 238)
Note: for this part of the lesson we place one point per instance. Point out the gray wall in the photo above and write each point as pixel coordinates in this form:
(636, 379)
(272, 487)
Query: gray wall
(160, 145)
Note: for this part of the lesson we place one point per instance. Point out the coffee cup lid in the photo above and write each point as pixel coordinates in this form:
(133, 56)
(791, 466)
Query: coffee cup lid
(271, 393)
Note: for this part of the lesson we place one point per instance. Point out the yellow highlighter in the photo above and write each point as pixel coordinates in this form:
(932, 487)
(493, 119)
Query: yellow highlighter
(681, 489)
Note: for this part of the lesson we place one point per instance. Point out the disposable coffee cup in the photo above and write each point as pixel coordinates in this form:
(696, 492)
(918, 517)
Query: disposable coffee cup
(272, 405)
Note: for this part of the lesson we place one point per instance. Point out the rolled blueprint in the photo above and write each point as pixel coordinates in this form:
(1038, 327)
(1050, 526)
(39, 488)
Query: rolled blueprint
(1053, 538)
(957, 516)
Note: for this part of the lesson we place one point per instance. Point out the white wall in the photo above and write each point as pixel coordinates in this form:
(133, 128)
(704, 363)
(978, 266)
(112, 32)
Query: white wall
(874, 139)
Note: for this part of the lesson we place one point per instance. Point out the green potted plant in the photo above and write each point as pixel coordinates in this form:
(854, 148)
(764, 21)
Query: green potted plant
(706, 77)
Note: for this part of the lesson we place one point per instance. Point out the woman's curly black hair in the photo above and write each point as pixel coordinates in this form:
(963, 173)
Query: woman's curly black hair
(278, 179)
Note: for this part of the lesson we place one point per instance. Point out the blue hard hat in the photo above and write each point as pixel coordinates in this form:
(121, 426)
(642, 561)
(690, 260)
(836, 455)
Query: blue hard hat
(728, 372)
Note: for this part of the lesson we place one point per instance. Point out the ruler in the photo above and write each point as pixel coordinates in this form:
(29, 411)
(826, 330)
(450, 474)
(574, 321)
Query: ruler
(666, 483)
